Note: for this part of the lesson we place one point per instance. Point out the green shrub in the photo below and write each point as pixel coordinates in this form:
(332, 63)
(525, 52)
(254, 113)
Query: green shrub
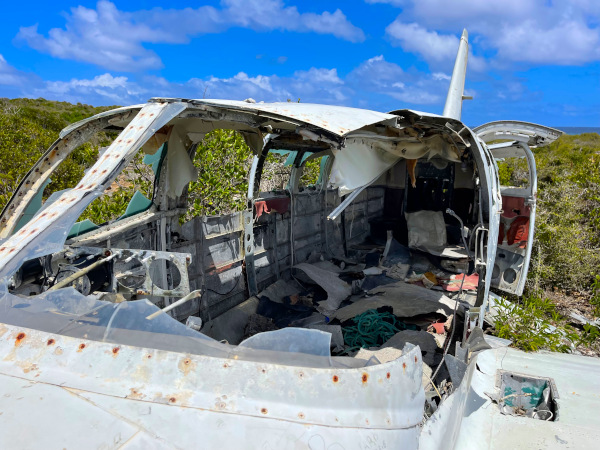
(27, 128)
(567, 236)
(529, 328)
(223, 160)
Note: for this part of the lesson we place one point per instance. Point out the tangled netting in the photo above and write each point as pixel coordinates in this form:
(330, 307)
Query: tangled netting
(372, 329)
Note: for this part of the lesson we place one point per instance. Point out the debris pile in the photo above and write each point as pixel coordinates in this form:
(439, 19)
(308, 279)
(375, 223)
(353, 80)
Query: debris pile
(375, 306)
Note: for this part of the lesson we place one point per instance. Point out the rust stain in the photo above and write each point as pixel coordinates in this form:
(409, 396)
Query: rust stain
(335, 379)
(50, 342)
(220, 405)
(388, 375)
(264, 410)
(186, 365)
(26, 366)
(365, 377)
(19, 339)
(416, 360)
(134, 393)
(81, 347)
(404, 367)
(141, 373)
(172, 400)
(301, 415)
(115, 351)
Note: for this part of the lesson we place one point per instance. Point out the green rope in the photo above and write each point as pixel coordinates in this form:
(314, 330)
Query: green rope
(372, 329)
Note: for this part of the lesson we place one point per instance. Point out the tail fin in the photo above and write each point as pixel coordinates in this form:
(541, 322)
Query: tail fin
(453, 107)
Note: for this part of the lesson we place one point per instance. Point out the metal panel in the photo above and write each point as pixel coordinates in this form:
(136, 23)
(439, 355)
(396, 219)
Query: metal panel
(530, 133)
(470, 419)
(339, 120)
(376, 398)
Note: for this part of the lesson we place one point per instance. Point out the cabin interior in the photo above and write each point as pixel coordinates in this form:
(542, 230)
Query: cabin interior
(393, 265)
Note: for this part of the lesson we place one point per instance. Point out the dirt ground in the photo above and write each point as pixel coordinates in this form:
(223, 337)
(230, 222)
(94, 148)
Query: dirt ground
(577, 302)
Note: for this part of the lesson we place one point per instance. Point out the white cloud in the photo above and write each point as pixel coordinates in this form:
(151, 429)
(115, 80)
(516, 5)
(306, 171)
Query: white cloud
(429, 44)
(507, 31)
(106, 86)
(9, 76)
(313, 85)
(376, 74)
(388, 84)
(390, 80)
(100, 81)
(104, 37)
(113, 39)
(319, 86)
(569, 43)
(390, 2)
(439, 50)
(440, 76)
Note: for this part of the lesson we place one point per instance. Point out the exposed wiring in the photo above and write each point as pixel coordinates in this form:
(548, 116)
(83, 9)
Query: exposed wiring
(228, 292)
(528, 394)
(462, 227)
(433, 384)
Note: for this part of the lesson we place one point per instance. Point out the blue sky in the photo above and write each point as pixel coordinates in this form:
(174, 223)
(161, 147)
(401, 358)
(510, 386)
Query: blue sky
(532, 60)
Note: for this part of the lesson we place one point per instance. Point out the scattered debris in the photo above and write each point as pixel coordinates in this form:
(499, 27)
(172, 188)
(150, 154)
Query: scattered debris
(337, 289)
(258, 324)
(277, 291)
(455, 282)
(405, 299)
(424, 340)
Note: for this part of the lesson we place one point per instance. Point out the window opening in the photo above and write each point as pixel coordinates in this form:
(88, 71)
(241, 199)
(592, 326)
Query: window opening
(513, 172)
(276, 171)
(312, 170)
(223, 160)
(131, 193)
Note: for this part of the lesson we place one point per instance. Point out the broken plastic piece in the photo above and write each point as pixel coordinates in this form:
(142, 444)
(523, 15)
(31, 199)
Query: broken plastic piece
(291, 340)
(138, 203)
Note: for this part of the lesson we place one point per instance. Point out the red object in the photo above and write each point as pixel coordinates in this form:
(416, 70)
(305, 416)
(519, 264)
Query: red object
(513, 207)
(453, 284)
(518, 231)
(501, 234)
(439, 327)
(279, 205)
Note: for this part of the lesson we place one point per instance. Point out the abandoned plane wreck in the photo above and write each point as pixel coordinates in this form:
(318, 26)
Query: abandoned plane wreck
(349, 313)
